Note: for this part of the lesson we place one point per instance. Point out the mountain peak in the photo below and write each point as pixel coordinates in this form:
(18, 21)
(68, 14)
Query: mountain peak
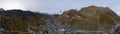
(95, 8)
(1, 9)
(91, 15)
(92, 6)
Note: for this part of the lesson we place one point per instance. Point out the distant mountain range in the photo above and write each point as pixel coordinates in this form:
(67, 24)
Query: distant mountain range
(91, 18)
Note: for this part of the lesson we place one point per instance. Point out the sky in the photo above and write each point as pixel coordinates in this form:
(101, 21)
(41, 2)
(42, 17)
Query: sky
(55, 6)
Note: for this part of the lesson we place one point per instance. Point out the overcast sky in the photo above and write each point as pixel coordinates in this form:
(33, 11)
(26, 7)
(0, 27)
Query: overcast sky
(54, 6)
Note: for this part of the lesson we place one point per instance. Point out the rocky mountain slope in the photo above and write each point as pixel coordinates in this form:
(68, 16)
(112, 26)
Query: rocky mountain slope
(18, 20)
(91, 18)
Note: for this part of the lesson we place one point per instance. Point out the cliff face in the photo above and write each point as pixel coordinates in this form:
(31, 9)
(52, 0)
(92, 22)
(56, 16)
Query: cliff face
(90, 18)
(18, 20)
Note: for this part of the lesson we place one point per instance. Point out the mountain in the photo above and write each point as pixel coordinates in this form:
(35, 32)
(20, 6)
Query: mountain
(19, 20)
(91, 18)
